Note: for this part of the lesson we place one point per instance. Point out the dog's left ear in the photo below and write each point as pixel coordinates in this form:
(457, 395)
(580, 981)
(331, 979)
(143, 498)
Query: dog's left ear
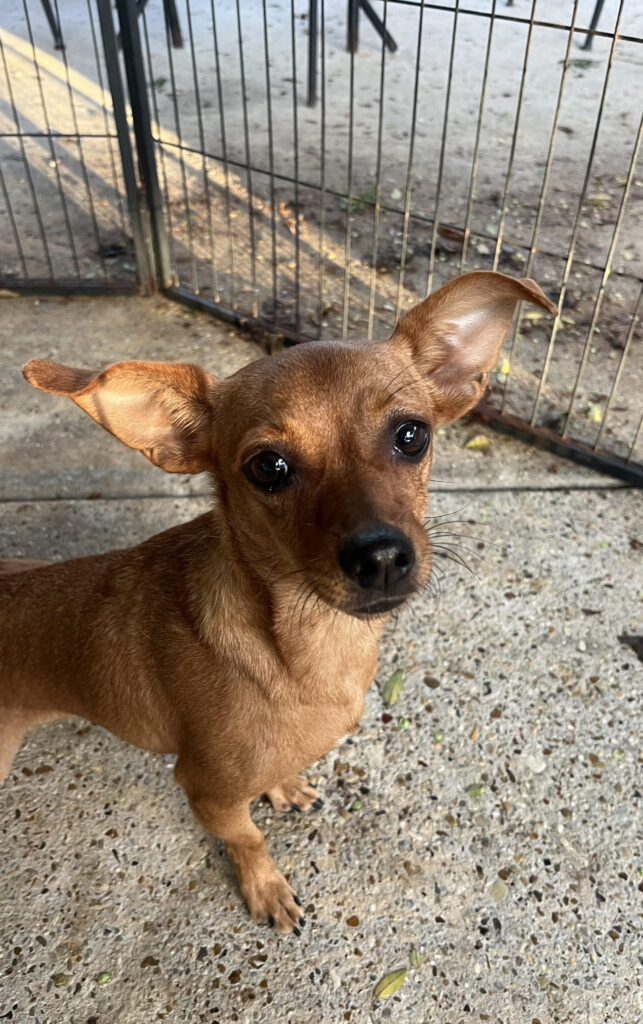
(455, 335)
(163, 410)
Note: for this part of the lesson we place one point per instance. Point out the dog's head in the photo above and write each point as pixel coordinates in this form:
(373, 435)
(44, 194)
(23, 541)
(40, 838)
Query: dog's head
(320, 455)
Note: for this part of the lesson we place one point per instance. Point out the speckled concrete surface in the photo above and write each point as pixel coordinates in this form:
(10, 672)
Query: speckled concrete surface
(488, 820)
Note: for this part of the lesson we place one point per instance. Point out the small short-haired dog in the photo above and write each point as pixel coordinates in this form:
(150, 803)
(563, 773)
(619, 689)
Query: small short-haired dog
(245, 641)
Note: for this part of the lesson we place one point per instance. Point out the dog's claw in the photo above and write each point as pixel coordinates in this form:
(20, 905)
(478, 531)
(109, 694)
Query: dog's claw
(317, 804)
(296, 932)
(297, 900)
(302, 922)
(271, 922)
(294, 795)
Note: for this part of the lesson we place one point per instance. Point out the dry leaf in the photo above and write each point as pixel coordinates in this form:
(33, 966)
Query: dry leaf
(478, 443)
(392, 688)
(390, 983)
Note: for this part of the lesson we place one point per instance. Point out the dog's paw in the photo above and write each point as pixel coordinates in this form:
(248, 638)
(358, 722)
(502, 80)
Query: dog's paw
(271, 901)
(294, 795)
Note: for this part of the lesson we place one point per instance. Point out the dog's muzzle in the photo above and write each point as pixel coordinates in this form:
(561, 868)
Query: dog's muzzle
(379, 559)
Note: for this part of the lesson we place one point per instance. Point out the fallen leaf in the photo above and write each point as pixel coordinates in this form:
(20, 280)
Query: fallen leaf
(477, 789)
(478, 443)
(390, 983)
(392, 688)
(103, 978)
(415, 958)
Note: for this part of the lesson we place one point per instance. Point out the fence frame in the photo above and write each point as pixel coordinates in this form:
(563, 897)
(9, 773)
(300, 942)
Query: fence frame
(145, 203)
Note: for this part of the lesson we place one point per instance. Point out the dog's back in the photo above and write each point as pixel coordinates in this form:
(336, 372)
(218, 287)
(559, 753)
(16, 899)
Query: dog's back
(9, 566)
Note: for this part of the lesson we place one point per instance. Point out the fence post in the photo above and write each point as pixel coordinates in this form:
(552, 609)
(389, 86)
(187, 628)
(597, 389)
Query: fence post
(137, 89)
(142, 249)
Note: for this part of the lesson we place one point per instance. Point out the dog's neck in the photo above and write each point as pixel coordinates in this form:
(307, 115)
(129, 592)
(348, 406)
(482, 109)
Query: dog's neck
(289, 633)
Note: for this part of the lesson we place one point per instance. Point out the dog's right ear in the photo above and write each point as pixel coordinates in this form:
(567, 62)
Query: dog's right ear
(163, 410)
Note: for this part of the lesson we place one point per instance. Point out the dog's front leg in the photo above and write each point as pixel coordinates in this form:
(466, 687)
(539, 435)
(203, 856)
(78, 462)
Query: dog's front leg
(269, 897)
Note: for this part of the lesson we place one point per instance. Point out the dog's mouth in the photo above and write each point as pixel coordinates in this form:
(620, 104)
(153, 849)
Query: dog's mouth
(379, 606)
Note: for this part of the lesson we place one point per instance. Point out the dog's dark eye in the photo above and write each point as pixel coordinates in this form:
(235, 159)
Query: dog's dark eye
(269, 471)
(412, 439)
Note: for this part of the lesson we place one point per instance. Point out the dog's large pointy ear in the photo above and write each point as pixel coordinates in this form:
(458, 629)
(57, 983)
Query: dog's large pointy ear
(455, 335)
(161, 409)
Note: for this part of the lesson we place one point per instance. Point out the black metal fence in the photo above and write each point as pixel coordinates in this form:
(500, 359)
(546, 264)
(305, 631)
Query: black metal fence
(314, 168)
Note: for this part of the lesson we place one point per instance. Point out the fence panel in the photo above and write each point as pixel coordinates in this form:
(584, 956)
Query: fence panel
(62, 193)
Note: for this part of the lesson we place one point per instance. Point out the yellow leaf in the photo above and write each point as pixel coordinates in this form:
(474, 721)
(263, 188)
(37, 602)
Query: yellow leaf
(393, 688)
(504, 367)
(478, 443)
(389, 984)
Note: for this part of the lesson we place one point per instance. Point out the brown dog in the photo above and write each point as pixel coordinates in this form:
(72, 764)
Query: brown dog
(245, 640)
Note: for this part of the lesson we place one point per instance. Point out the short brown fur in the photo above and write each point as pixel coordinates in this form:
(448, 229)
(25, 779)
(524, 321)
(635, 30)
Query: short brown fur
(237, 641)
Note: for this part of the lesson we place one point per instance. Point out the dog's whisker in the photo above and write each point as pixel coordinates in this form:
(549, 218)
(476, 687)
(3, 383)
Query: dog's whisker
(453, 556)
(454, 512)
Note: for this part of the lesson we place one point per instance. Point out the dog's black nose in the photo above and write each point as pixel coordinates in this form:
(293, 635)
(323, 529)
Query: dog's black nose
(377, 558)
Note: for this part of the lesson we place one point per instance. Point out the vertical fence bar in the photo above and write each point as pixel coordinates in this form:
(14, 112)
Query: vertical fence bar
(206, 183)
(81, 154)
(619, 371)
(476, 145)
(106, 125)
(271, 161)
(515, 334)
(606, 273)
(246, 137)
(409, 164)
(514, 139)
(135, 71)
(349, 179)
(295, 134)
(378, 181)
(638, 434)
(26, 165)
(224, 153)
(312, 53)
(161, 153)
(144, 266)
(577, 220)
(170, 32)
(322, 170)
(12, 222)
(52, 150)
(445, 124)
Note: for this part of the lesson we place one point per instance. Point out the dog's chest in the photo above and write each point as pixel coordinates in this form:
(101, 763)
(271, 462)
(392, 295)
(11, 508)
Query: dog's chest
(316, 707)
